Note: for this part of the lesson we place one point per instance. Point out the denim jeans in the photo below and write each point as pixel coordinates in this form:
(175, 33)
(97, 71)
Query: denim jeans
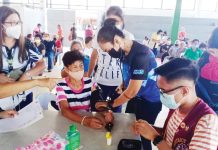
(50, 56)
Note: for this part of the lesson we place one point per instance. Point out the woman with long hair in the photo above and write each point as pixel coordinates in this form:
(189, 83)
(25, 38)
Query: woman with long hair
(17, 62)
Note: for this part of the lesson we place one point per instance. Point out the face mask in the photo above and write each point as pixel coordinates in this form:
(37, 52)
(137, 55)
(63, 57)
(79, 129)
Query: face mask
(78, 75)
(116, 54)
(169, 101)
(13, 32)
(37, 41)
(119, 26)
(47, 38)
(194, 46)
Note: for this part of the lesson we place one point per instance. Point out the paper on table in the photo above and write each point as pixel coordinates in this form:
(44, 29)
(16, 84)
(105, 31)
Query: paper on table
(26, 117)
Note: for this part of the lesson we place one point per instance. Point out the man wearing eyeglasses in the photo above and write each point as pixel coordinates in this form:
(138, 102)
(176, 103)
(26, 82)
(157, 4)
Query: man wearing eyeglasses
(191, 123)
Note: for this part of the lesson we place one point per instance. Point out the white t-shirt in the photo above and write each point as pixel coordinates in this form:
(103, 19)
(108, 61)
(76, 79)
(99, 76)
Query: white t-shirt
(12, 101)
(108, 72)
(88, 51)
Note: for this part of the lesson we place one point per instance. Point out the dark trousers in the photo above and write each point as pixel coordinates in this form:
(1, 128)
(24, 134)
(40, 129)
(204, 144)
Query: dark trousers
(145, 110)
(50, 56)
(155, 51)
(164, 55)
(110, 91)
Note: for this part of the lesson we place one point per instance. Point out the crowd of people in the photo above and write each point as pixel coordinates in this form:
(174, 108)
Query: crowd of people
(123, 70)
(162, 46)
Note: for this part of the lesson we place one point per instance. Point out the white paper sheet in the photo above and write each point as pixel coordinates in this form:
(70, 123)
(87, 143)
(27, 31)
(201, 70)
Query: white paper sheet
(26, 117)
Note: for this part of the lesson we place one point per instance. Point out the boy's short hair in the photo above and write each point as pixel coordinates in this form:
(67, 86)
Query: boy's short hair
(195, 40)
(72, 56)
(178, 68)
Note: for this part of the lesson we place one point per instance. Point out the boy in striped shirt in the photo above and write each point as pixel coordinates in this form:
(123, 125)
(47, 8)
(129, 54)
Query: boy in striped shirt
(74, 91)
(191, 123)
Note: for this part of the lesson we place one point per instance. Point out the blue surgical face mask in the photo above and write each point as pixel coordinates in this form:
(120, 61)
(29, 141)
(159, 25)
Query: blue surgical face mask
(169, 101)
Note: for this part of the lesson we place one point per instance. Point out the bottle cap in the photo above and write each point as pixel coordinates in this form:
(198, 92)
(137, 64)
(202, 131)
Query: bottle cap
(72, 128)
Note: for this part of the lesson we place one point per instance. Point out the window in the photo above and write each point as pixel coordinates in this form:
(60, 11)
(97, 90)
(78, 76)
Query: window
(169, 4)
(133, 3)
(117, 3)
(152, 3)
(12, 1)
(59, 3)
(78, 2)
(188, 4)
(208, 5)
(96, 3)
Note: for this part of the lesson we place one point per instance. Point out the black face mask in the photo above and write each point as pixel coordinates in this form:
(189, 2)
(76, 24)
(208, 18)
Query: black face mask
(116, 54)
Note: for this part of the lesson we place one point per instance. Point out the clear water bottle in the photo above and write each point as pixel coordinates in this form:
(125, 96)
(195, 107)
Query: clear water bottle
(73, 138)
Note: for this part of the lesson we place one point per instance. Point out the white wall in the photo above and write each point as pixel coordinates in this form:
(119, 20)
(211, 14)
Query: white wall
(31, 17)
(65, 18)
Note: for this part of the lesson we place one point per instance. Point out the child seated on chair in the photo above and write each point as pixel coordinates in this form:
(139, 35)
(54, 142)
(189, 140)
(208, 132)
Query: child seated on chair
(74, 91)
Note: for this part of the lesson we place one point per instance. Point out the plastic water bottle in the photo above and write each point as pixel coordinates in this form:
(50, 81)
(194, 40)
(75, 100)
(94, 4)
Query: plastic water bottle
(73, 137)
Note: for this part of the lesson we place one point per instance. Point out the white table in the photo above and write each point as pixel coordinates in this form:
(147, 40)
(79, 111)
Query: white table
(91, 139)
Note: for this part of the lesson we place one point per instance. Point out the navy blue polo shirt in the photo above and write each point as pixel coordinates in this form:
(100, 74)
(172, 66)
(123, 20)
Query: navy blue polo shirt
(139, 64)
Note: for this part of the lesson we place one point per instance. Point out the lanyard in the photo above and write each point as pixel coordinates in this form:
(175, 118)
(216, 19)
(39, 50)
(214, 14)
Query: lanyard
(9, 56)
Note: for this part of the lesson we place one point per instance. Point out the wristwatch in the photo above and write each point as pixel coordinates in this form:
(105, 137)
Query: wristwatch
(157, 140)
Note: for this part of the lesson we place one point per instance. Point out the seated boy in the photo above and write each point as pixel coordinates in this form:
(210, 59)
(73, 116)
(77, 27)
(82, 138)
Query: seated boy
(191, 123)
(74, 91)
(77, 46)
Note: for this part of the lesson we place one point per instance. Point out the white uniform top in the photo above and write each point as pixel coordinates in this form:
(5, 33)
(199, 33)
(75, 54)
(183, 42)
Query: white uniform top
(33, 56)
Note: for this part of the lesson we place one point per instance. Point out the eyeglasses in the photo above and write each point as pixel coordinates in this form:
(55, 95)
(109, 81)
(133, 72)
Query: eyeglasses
(12, 23)
(168, 91)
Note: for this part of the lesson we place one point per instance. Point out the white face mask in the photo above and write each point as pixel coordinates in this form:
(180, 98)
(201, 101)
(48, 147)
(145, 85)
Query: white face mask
(13, 32)
(119, 26)
(78, 75)
(169, 101)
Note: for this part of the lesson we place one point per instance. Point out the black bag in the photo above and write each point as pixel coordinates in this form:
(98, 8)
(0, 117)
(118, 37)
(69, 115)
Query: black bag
(96, 96)
(129, 144)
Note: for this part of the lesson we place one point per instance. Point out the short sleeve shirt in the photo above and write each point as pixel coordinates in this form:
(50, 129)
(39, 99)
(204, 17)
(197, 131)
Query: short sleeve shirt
(139, 64)
(14, 101)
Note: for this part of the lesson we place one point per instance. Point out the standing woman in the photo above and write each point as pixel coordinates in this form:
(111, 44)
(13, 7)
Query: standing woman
(108, 74)
(141, 91)
(207, 85)
(16, 61)
(60, 33)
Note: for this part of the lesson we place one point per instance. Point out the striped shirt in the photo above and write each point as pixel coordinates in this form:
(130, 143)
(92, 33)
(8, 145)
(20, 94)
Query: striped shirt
(205, 134)
(77, 99)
